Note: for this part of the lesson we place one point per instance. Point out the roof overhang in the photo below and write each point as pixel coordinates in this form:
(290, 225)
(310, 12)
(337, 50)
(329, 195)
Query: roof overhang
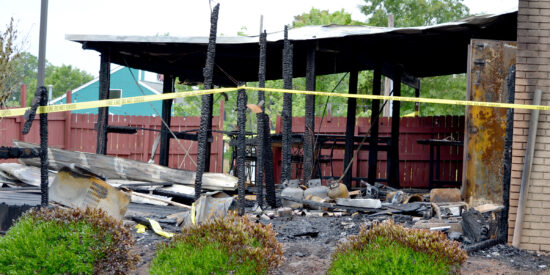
(421, 51)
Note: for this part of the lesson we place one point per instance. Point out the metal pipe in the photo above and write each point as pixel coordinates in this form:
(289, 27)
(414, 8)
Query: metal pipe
(42, 43)
(527, 164)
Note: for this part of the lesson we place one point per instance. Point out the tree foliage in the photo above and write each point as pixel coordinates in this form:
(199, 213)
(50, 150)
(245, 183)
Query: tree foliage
(63, 78)
(10, 52)
(410, 13)
(324, 17)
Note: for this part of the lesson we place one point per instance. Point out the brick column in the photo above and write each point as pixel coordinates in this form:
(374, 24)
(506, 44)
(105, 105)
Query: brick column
(533, 72)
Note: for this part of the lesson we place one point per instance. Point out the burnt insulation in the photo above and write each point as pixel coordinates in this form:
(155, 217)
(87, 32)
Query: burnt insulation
(206, 108)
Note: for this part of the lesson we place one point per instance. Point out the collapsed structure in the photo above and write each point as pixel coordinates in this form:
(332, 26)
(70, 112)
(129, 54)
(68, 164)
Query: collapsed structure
(403, 54)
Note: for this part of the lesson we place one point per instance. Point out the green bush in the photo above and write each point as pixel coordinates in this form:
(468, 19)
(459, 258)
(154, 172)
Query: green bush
(389, 248)
(66, 241)
(229, 245)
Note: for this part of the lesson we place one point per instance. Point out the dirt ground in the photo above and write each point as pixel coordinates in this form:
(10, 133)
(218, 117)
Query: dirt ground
(308, 243)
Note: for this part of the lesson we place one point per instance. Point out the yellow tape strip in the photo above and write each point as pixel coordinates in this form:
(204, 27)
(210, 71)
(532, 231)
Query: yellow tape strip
(149, 98)
(110, 102)
(407, 99)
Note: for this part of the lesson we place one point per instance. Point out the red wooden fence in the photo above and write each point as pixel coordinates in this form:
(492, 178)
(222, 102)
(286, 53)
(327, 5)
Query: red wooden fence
(76, 132)
(414, 157)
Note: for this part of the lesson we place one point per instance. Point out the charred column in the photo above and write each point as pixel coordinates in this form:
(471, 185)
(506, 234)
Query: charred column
(268, 164)
(43, 149)
(260, 124)
(203, 156)
(393, 171)
(167, 87)
(287, 108)
(375, 114)
(350, 127)
(309, 131)
(103, 112)
(241, 147)
(507, 173)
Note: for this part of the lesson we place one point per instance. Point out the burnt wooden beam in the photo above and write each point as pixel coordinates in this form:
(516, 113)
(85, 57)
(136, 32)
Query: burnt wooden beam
(241, 147)
(350, 127)
(14, 152)
(309, 130)
(260, 148)
(203, 156)
(43, 149)
(374, 120)
(31, 112)
(268, 164)
(393, 159)
(103, 112)
(118, 129)
(502, 233)
(287, 108)
(167, 87)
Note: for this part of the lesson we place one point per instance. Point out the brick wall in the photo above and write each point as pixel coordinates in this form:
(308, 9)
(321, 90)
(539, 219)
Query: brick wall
(533, 72)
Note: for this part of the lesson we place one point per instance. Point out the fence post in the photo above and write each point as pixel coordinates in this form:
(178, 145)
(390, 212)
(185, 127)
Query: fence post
(69, 99)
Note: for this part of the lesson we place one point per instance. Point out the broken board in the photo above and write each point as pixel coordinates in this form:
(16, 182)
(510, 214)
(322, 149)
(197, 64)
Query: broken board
(119, 168)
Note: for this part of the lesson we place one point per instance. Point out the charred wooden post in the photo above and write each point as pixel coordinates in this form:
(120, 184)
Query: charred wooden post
(393, 171)
(203, 156)
(43, 148)
(287, 108)
(350, 127)
(103, 112)
(167, 87)
(241, 146)
(375, 114)
(309, 131)
(502, 234)
(268, 164)
(260, 123)
(14, 152)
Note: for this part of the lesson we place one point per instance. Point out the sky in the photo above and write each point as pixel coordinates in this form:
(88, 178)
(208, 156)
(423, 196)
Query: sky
(173, 17)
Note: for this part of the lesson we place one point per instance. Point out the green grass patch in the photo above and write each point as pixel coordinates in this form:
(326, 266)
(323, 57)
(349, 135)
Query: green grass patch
(386, 257)
(229, 245)
(388, 248)
(59, 241)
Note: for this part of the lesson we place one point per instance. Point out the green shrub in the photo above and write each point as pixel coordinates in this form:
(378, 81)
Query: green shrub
(66, 241)
(388, 247)
(227, 245)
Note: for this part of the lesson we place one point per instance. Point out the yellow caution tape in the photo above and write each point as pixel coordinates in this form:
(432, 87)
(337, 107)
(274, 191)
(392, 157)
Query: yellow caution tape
(110, 102)
(158, 229)
(407, 99)
(140, 228)
(193, 214)
(149, 98)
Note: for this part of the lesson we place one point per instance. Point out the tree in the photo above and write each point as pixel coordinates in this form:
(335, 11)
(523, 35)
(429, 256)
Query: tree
(9, 54)
(62, 78)
(65, 78)
(324, 17)
(410, 13)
